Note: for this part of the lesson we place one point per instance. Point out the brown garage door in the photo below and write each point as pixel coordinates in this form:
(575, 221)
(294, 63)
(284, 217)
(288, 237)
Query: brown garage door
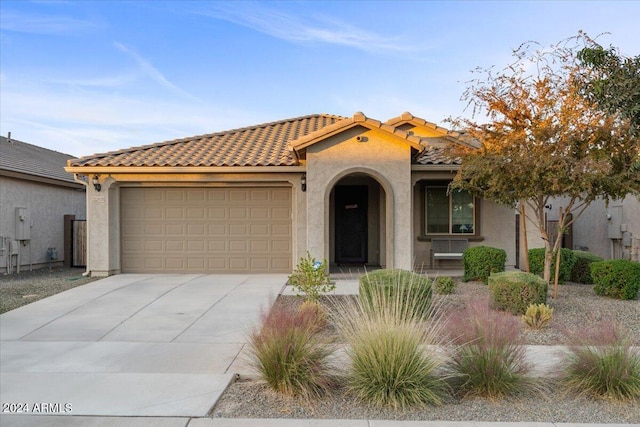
(182, 230)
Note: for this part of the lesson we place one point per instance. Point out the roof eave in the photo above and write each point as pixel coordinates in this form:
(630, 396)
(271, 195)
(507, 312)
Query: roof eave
(88, 170)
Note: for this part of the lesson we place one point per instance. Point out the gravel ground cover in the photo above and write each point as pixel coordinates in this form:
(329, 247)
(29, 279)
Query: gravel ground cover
(22, 288)
(575, 306)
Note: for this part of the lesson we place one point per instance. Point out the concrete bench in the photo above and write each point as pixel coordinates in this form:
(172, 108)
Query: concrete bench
(447, 249)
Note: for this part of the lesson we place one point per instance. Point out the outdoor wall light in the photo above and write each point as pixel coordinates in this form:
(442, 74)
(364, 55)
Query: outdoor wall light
(548, 206)
(96, 183)
(303, 183)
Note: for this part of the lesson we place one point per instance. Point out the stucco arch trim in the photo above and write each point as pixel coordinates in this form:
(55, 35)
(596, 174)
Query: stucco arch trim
(389, 207)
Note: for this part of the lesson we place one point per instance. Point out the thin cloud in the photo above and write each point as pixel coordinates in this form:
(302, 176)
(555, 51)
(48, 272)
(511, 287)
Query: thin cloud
(43, 24)
(152, 72)
(304, 29)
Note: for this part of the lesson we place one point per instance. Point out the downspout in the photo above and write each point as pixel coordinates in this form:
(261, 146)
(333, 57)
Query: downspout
(86, 202)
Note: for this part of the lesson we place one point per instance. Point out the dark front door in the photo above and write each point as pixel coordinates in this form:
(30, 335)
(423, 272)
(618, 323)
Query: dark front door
(351, 224)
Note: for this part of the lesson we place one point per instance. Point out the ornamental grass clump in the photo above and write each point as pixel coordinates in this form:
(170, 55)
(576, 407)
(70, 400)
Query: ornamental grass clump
(289, 354)
(486, 360)
(602, 364)
(538, 316)
(411, 292)
(389, 364)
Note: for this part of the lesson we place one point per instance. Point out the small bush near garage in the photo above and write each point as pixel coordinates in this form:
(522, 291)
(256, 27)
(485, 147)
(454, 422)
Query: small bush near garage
(514, 291)
(480, 261)
(311, 278)
(444, 285)
(386, 284)
(567, 260)
(616, 278)
(581, 271)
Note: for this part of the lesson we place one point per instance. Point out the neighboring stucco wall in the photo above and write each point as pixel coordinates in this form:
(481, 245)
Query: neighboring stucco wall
(591, 229)
(379, 155)
(46, 204)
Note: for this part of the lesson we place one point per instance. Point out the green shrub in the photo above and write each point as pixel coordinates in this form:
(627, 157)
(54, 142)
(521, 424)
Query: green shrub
(393, 283)
(581, 271)
(444, 285)
(310, 278)
(567, 260)
(513, 291)
(487, 360)
(289, 355)
(616, 278)
(538, 316)
(389, 363)
(602, 363)
(480, 261)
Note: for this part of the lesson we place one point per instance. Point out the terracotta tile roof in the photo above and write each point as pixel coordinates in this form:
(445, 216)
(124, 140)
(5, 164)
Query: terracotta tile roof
(358, 119)
(20, 157)
(261, 145)
(433, 155)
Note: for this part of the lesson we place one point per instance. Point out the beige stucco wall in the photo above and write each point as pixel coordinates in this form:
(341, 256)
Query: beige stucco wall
(46, 204)
(378, 154)
(497, 225)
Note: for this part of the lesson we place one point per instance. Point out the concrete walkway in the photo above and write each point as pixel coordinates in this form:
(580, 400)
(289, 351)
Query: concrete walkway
(138, 345)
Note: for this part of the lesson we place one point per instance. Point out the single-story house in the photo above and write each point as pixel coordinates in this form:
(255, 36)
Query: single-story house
(352, 190)
(38, 202)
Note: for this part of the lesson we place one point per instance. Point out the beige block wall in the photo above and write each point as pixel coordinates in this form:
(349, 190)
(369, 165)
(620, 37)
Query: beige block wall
(379, 155)
(47, 204)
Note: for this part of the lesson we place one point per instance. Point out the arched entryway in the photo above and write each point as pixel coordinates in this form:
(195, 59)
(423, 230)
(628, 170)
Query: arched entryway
(358, 221)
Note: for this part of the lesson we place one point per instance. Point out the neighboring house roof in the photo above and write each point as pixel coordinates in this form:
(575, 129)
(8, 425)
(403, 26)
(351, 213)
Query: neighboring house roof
(269, 144)
(260, 145)
(23, 160)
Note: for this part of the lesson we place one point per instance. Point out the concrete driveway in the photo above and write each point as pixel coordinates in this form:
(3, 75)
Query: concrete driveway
(138, 345)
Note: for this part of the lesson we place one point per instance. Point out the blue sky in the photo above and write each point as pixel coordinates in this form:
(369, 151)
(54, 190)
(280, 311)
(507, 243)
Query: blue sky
(84, 77)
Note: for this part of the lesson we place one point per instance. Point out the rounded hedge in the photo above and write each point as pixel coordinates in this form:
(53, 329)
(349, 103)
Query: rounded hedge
(480, 261)
(413, 289)
(581, 271)
(567, 260)
(616, 278)
(444, 285)
(514, 291)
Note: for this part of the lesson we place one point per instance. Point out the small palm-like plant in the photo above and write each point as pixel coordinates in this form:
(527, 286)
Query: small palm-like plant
(538, 316)
(486, 360)
(602, 363)
(289, 355)
(389, 363)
